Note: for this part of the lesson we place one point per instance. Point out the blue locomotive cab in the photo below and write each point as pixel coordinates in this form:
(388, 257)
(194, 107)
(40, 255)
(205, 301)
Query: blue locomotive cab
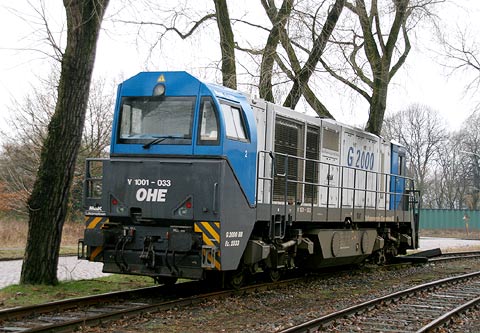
(181, 174)
(173, 113)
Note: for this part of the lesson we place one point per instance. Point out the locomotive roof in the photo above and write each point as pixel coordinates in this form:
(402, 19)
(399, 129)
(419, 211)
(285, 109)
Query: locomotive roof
(142, 83)
(316, 120)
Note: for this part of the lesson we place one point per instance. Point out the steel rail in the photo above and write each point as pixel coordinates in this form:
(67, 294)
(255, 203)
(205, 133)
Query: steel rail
(451, 256)
(85, 320)
(19, 312)
(322, 321)
(74, 324)
(447, 316)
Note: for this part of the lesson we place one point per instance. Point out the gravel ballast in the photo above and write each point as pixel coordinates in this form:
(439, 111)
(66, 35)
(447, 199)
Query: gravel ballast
(274, 310)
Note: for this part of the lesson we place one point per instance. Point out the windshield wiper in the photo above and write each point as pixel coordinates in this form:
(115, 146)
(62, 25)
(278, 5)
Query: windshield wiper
(159, 139)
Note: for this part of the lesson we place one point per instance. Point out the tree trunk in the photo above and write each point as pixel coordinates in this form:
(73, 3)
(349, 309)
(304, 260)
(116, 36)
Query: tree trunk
(278, 19)
(380, 59)
(227, 44)
(48, 202)
(302, 78)
(378, 103)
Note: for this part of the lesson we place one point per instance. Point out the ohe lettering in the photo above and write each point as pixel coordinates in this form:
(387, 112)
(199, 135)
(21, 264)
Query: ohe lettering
(151, 194)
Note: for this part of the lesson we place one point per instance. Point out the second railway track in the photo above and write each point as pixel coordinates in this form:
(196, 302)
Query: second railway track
(417, 309)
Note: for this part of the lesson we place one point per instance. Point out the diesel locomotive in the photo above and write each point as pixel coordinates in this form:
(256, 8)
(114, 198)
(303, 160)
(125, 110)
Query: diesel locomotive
(203, 180)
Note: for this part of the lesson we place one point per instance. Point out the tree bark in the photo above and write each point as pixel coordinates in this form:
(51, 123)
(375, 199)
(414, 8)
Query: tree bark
(49, 199)
(227, 44)
(278, 19)
(380, 56)
(378, 103)
(301, 81)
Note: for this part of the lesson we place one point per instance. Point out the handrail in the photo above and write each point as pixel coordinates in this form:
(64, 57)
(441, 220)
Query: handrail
(90, 181)
(390, 197)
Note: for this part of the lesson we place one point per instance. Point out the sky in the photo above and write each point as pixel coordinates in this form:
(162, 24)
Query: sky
(121, 54)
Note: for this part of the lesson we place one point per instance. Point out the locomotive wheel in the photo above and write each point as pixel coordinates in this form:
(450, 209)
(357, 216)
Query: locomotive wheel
(273, 275)
(236, 279)
(166, 280)
(379, 258)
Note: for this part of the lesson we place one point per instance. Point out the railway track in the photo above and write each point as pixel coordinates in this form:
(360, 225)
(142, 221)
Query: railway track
(418, 309)
(66, 315)
(436, 255)
(72, 314)
(456, 256)
(69, 315)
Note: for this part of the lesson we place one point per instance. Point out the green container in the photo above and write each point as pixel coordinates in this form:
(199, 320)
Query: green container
(449, 219)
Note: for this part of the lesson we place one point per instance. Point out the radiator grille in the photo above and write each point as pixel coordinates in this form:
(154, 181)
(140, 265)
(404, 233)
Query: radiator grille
(288, 140)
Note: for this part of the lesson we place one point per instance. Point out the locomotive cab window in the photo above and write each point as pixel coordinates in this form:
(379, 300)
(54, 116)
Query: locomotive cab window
(234, 124)
(401, 165)
(167, 119)
(208, 134)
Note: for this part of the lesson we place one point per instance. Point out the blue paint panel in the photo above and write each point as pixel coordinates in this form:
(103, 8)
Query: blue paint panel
(176, 84)
(397, 184)
(142, 84)
(241, 155)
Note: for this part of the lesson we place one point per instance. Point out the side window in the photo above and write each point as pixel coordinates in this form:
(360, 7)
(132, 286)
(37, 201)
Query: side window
(234, 125)
(131, 121)
(401, 166)
(208, 134)
(330, 139)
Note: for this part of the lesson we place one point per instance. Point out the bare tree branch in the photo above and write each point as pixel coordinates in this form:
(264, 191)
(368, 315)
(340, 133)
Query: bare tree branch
(320, 42)
(345, 81)
(279, 19)
(182, 35)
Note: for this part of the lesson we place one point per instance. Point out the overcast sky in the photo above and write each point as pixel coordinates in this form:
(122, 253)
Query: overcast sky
(120, 55)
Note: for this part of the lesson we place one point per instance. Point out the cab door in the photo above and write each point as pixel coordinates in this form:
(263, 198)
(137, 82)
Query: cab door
(226, 129)
(208, 132)
(240, 144)
(398, 172)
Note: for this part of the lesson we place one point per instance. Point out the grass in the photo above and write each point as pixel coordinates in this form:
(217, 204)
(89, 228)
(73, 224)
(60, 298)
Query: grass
(17, 253)
(473, 233)
(13, 232)
(19, 295)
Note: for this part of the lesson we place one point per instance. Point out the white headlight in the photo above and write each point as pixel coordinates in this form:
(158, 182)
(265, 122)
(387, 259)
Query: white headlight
(159, 90)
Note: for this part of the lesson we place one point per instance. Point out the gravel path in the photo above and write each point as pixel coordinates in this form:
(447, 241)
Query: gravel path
(69, 268)
(446, 244)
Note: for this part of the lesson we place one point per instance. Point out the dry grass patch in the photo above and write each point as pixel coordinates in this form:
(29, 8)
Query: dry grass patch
(13, 233)
(13, 236)
(473, 233)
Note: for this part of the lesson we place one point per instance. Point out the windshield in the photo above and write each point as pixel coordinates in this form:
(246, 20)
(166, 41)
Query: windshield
(146, 118)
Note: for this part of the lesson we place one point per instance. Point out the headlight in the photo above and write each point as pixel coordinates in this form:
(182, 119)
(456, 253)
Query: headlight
(159, 90)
